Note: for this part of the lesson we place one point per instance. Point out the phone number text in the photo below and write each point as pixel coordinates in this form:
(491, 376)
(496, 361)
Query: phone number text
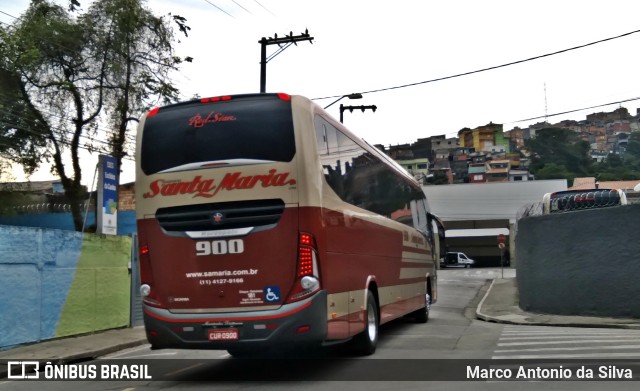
(222, 281)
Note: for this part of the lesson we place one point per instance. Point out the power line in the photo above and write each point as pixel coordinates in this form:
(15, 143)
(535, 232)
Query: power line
(220, 8)
(63, 142)
(269, 11)
(129, 137)
(87, 142)
(561, 113)
(240, 5)
(49, 138)
(575, 110)
(9, 15)
(490, 68)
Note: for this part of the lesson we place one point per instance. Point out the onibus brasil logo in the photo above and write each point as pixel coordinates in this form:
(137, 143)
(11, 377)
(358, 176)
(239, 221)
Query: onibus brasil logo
(26, 370)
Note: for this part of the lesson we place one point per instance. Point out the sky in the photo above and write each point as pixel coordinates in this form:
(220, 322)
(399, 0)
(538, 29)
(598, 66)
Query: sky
(362, 46)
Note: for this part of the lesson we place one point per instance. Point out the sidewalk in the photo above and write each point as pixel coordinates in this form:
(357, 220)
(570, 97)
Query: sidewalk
(499, 304)
(75, 349)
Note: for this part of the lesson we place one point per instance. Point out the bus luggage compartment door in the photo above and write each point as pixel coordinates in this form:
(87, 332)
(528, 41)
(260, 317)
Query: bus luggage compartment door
(210, 272)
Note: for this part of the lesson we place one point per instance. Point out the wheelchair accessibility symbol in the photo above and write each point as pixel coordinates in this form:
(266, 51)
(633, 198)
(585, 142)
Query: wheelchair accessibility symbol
(272, 293)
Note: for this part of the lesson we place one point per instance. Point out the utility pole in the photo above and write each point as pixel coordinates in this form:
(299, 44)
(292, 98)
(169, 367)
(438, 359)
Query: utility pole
(351, 108)
(283, 43)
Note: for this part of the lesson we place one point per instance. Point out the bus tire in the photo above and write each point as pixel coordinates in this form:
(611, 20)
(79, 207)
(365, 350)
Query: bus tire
(421, 315)
(365, 343)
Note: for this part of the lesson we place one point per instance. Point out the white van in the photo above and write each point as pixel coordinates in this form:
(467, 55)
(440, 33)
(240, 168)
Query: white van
(456, 259)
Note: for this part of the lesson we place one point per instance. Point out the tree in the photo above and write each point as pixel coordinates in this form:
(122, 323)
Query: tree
(22, 134)
(5, 171)
(622, 167)
(632, 153)
(563, 149)
(554, 171)
(45, 54)
(139, 57)
(65, 73)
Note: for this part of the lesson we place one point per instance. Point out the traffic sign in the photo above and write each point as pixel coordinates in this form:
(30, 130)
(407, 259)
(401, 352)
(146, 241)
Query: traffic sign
(502, 238)
(501, 246)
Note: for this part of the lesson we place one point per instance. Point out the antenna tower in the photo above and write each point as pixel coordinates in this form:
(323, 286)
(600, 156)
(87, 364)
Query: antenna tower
(545, 102)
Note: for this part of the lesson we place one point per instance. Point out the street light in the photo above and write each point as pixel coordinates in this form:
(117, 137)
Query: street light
(355, 95)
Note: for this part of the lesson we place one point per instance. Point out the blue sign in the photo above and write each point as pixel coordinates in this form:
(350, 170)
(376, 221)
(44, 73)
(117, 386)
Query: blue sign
(272, 293)
(108, 195)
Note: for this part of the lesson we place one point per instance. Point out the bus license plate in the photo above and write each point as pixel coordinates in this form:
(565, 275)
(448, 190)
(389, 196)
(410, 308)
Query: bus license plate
(223, 334)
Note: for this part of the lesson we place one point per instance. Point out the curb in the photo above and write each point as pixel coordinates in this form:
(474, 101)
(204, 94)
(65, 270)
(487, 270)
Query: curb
(479, 314)
(526, 318)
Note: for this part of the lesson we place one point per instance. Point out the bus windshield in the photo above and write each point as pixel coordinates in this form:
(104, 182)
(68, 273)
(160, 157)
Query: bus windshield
(250, 130)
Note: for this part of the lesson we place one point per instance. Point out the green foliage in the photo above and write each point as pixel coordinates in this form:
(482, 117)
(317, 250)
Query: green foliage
(62, 75)
(563, 149)
(22, 134)
(625, 167)
(559, 154)
(554, 171)
(632, 154)
(138, 59)
(5, 171)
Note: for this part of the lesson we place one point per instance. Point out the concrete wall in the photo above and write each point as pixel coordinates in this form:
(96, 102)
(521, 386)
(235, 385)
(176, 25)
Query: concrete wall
(581, 263)
(59, 283)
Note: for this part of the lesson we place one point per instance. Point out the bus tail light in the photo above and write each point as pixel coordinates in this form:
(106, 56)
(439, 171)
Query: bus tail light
(149, 295)
(153, 112)
(215, 99)
(307, 274)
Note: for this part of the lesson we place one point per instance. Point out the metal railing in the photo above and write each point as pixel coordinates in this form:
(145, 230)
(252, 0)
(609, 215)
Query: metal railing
(40, 207)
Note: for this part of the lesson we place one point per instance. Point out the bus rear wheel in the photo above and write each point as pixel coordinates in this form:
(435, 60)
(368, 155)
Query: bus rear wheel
(422, 315)
(366, 342)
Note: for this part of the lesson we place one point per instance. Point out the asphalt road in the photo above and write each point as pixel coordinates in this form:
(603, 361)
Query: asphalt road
(408, 353)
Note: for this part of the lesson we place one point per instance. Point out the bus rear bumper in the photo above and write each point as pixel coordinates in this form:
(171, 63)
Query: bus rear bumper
(298, 323)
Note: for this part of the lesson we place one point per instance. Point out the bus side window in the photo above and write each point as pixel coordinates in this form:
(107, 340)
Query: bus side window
(327, 147)
(420, 222)
(355, 163)
(326, 139)
(321, 139)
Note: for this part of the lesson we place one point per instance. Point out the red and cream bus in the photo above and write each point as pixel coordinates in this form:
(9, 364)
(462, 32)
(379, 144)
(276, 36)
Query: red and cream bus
(263, 222)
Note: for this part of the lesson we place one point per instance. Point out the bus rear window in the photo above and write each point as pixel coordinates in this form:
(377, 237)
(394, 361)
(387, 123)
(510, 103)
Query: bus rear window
(258, 127)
